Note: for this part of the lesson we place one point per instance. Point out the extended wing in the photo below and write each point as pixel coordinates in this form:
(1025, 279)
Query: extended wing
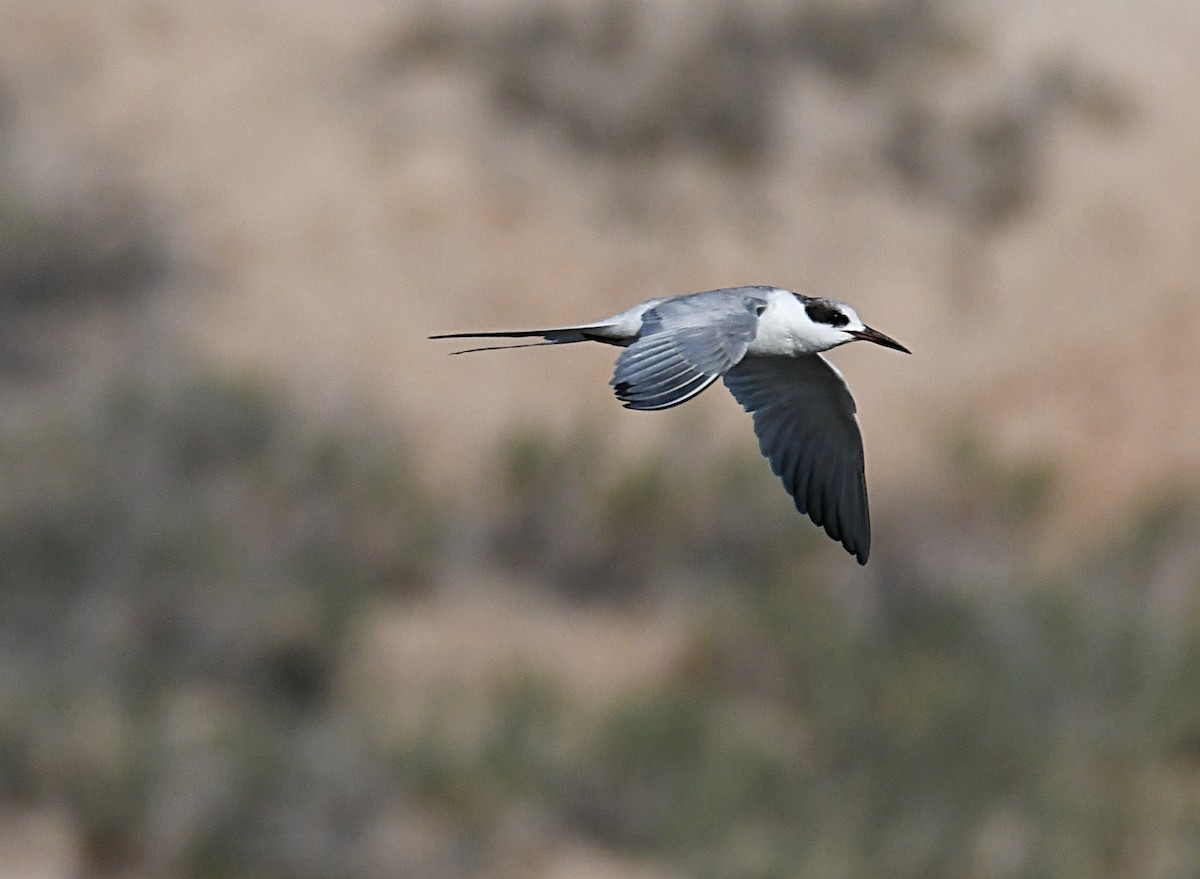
(806, 426)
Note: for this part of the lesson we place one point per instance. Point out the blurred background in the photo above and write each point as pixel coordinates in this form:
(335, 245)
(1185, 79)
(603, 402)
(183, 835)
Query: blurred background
(285, 591)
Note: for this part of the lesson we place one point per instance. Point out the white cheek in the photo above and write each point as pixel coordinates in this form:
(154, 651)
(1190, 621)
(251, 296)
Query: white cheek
(832, 338)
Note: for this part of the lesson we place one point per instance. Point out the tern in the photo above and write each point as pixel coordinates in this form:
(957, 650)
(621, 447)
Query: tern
(765, 343)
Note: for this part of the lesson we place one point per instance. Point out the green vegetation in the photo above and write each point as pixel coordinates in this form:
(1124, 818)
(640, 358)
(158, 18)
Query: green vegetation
(1054, 736)
(592, 524)
(180, 569)
(185, 568)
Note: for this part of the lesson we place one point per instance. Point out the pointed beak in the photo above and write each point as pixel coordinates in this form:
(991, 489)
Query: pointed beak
(867, 334)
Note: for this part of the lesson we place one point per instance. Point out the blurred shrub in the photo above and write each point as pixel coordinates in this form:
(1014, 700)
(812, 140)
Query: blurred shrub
(985, 162)
(97, 250)
(938, 724)
(179, 568)
(157, 492)
(1054, 738)
(1010, 494)
(638, 79)
(860, 41)
(614, 85)
(182, 567)
(99, 246)
(641, 80)
(595, 525)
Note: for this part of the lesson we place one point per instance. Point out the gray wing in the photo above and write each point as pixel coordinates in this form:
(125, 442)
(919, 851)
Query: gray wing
(685, 344)
(806, 426)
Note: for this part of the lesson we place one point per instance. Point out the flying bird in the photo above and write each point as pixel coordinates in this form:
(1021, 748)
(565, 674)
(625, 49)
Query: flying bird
(765, 344)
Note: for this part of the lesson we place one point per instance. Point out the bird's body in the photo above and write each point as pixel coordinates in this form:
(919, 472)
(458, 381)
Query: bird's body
(765, 342)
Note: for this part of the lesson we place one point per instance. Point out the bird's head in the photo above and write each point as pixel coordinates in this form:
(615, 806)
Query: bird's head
(836, 323)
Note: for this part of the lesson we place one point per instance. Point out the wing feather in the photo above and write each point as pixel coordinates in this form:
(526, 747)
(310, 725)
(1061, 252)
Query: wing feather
(805, 420)
(685, 345)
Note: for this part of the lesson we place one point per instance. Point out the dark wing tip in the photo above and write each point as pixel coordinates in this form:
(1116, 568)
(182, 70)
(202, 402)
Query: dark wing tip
(804, 419)
(854, 537)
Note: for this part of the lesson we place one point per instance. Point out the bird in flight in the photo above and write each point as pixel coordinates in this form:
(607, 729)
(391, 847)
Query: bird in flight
(765, 343)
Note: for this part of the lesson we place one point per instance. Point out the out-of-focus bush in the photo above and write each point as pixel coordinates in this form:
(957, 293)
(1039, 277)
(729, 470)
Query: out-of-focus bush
(180, 567)
(183, 569)
(1047, 730)
(93, 251)
(593, 525)
(638, 79)
(652, 79)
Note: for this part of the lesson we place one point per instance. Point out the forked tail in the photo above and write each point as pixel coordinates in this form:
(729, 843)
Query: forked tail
(559, 336)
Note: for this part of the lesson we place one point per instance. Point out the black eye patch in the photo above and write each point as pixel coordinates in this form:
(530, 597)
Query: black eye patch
(824, 313)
